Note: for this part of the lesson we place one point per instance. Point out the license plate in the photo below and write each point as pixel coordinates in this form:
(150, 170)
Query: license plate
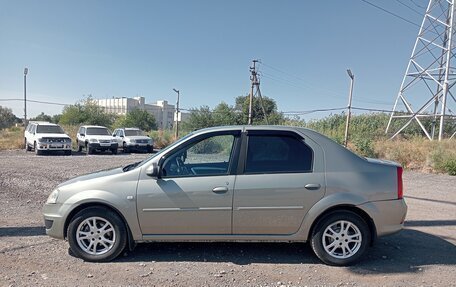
(105, 144)
(56, 146)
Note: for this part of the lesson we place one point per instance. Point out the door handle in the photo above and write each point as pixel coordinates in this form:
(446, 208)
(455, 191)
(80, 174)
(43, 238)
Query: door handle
(312, 186)
(220, 189)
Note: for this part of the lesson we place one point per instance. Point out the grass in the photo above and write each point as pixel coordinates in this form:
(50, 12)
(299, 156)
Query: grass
(12, 138)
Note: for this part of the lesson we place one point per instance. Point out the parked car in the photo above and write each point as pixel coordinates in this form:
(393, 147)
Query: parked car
(45, 136)
(133, 139)
(240, 183)
(95, 138)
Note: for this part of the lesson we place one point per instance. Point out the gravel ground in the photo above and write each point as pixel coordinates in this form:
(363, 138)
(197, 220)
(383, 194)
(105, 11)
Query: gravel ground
(423, 254)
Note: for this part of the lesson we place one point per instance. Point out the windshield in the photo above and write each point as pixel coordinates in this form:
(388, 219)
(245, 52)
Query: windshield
(42, 129)
(129, 133)
(164, 150)
(98, 132)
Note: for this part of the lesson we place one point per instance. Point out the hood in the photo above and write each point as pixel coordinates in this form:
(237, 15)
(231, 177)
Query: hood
(52, 135)
(92, 176)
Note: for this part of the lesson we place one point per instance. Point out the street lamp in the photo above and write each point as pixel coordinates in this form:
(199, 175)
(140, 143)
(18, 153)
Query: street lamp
(177, 114)
(347, 124)
(25, 96)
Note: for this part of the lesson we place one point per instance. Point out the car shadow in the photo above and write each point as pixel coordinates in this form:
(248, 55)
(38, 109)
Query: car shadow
(22, 231)
(405, 252)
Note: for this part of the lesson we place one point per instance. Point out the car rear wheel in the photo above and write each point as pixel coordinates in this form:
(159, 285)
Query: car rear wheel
(340, 238)
(97, 234)
(79, 146)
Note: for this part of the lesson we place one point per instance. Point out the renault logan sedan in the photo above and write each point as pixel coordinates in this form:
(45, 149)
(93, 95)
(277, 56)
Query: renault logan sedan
(240, 183)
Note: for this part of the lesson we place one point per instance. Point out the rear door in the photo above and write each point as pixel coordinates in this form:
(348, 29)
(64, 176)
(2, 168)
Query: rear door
(281, 178)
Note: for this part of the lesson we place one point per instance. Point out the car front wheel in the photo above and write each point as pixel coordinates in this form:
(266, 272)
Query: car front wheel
(340, 238)
(97, 234)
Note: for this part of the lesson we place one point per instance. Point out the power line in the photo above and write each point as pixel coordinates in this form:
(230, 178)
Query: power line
(417, 5)
(391, 13)
(413, 9)
(34, 101)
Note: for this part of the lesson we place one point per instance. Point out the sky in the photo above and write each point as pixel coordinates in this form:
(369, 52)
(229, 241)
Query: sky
(204, 48)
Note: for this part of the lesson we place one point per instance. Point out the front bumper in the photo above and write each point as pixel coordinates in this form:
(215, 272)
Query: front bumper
(388, 215)
(53, 146)
(53, 220)
(139, 146)
(99, 146)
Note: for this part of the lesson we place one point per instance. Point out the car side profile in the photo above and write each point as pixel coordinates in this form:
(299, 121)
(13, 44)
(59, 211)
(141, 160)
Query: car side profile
(46, 137)
(133, 139)
(95, 138)
(238, 183)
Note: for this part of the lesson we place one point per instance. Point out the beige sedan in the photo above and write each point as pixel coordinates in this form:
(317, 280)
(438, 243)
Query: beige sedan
(240, 183)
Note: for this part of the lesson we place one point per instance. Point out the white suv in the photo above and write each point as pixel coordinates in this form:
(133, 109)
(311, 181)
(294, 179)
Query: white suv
(94, 138)
(133, 139)
(45, 136)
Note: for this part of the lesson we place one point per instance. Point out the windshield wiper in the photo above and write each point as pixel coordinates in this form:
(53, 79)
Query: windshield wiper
(130, 166)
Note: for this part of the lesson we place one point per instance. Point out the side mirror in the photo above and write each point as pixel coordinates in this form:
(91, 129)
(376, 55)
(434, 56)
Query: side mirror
(153, 171)
(114, 135)
(121, 136)
(82, 135)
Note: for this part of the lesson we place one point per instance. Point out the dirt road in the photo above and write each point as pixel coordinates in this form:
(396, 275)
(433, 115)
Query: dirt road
(422, 254)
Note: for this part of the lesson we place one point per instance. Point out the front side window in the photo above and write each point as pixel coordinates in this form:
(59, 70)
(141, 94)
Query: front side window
(209, 156)
(277, 154)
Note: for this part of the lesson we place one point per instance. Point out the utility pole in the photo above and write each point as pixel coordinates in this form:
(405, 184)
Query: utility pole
(255, 83)
(25, 96)
(177, 114)
(347, 124)
(253, 79)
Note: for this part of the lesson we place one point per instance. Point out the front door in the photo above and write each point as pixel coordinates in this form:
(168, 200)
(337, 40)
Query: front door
(283, 177)
(195, 192)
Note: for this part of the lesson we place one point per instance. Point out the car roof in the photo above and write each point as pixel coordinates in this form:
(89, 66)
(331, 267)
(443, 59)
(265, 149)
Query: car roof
(130, 129)
(93, 127)
(43, 123)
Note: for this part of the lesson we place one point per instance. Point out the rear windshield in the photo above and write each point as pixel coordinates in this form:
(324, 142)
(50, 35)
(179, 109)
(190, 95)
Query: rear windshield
(98, 131)
(43, 129)
(134, 133)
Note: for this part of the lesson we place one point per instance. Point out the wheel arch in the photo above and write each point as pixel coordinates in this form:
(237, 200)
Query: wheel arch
(350, 208)
(130, 241)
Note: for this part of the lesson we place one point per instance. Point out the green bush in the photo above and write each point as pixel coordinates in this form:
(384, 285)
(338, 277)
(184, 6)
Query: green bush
(207, 146)
(450, 166)
(364, 147)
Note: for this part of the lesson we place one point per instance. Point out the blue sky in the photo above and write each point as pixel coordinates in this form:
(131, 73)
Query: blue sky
(204, 49)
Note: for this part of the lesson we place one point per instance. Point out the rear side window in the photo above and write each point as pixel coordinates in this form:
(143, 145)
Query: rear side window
(277, 154)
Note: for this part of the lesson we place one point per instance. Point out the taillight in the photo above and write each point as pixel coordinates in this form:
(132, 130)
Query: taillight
(400, 185)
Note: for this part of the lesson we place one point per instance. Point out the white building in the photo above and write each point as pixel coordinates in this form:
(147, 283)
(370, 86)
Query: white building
(161, 110)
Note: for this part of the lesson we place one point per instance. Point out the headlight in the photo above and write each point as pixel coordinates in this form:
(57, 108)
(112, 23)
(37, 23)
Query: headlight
(42, 140)
(149, 141)
(68, 140)
(113, 141)
(132, 141)
(93, 140)
(52, 199)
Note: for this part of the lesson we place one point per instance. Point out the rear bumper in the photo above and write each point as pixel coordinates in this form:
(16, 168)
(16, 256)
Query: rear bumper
(387, 215)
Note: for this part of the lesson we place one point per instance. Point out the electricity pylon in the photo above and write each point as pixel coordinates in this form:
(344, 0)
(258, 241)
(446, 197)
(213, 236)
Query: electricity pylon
(426, 89)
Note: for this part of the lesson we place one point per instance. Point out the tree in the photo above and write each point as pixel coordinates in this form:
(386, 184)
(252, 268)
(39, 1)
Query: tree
(224, 115)
(270, 106)
(199, 118)
(86, 112)
(137, 118)
(7, 118)
(42, 117)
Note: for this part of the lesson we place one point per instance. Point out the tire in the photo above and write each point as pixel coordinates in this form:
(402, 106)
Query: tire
(327, 235)
(37, 151)
(125, 148)
(150, 149)
(68, 152)
(88, 149)
(79, 146)
(81, 236)
(27, 147)
(114, 151)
